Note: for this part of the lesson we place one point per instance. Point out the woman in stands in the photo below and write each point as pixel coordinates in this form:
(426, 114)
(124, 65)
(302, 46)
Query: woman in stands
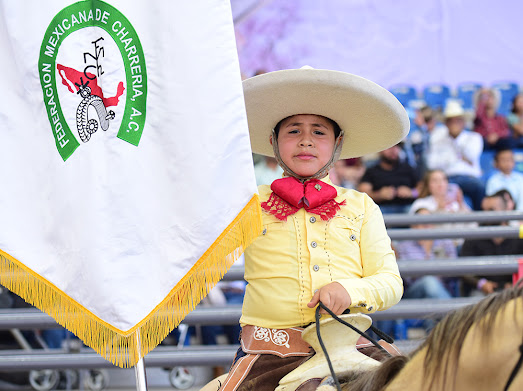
(438, 195)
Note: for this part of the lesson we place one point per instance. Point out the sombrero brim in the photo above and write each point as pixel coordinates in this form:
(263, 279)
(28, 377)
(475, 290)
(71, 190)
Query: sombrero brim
(371, 117)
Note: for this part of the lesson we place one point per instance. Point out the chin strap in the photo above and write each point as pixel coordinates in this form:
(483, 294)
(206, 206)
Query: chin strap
(338, 144)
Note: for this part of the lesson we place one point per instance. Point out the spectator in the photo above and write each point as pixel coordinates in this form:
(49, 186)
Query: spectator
(349, 172)
(515, 120)
(492, 126)
(390, 183)
(509, 203)
(506, 177)
(426, 121)
(456, 151)
(438, 195)
(484, 285)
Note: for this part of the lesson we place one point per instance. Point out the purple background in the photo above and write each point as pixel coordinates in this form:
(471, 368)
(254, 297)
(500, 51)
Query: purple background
(390, 42)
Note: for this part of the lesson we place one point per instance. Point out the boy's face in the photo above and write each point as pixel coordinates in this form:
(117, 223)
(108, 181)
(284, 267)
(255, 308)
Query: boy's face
(306, 143)
(505, 162)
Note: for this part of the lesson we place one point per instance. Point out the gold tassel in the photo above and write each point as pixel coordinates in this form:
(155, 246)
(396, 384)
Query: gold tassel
(119, 347)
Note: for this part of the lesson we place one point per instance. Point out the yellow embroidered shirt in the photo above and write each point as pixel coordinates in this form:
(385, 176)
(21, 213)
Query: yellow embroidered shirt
(293, 258)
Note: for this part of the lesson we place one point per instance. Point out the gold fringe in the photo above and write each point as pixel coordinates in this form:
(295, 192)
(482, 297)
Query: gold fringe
(121, 348)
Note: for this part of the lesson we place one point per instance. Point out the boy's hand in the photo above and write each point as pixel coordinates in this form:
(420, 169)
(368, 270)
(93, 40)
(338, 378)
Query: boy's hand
(333, 296)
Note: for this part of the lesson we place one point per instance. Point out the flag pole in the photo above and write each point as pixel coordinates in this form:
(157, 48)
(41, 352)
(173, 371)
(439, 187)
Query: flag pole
(139, 368)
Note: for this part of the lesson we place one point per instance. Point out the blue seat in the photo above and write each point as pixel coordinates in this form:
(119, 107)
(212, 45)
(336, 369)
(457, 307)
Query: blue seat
(508, 91)
(435, 95)
(404, 93)
(465, 92)
(486, 162)
(518, 157)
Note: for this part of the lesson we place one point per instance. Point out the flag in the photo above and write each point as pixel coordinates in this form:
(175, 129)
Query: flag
(125, 164)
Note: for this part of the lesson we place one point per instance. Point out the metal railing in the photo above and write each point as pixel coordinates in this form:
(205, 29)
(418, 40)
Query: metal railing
(187, 356)
(164, 356)
(448, 267)
(454, 233)
(32, 318)
(402, 219)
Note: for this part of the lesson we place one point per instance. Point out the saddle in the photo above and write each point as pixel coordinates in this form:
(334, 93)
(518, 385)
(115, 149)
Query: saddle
(347, 350)
(297, 354)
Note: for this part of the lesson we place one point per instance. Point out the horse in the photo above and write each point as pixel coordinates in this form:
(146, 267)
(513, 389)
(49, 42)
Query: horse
(478, 347)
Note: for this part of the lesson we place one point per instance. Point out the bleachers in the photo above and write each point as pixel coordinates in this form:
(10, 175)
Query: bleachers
(436, 94)
(404, 93)
(465, 93)
(508, 90)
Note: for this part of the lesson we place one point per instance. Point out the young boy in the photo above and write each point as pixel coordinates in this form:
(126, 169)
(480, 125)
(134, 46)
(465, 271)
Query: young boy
(506, 177)
(319, 242)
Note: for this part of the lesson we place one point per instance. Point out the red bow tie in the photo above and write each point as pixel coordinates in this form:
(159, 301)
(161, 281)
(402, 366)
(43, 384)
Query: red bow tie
(290, 195)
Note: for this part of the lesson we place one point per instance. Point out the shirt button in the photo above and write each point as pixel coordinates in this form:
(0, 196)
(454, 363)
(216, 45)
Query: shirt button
(264, 231)
(312, 219)
(353, 237)
(314, 244)
(370, 308)
(316, 268)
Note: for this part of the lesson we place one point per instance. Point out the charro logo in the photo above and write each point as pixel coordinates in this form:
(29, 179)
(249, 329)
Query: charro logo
(93, 75)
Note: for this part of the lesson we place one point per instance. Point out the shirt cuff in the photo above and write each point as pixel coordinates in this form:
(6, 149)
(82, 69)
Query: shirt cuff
(357, 292)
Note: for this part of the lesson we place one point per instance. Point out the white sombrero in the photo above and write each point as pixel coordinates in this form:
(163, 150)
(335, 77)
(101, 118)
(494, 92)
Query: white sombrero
(371, 117)
(453, 109)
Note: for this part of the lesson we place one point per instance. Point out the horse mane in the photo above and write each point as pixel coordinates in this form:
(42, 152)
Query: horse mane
(443, 345)
(445, 342)
(375, 379)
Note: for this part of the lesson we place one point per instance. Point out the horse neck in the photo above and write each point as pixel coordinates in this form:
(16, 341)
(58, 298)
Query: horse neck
(487, 358)
(411, 376)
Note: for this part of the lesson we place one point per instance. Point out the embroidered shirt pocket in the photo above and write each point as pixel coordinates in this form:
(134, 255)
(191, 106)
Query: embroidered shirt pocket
(343, 240)
(271, 226)
(346, 228)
